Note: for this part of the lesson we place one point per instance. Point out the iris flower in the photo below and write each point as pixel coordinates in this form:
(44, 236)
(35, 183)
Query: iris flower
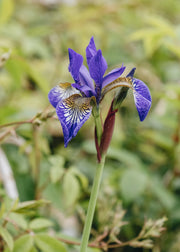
(74, 102)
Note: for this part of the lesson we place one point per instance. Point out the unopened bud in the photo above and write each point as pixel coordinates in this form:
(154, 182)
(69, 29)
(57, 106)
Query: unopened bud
(108, 130)
(120, 97)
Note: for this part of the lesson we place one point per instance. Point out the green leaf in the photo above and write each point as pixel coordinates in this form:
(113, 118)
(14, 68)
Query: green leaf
(15, 71)
(6, 10)
(71, 189)
(2, 209)
(24, 207)
(7, 238)
(82, 178)
(57, 170)
(93, 250)
(41, 82)
(40, 223)
(166, 197)
(19, 219)
(33, 250)
(56, 173)
(128, 158)
(24, 243)
(48, 244)
(133, 184)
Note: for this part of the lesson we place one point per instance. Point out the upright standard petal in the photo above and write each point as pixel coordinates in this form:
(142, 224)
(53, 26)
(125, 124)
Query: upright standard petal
(75, 62)
(61, 92)
(113, 75)
(85, 78)
(142, 98)
(97, 68)
(73, 112)
(90, 50)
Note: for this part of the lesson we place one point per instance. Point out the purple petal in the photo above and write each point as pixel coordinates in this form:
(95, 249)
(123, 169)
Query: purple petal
(75, 62)
(73, 112)
(97, 68)
(112, 76)
(142, 98)
(61, 92)
(84, 89)
(90, 50)
(85, 78)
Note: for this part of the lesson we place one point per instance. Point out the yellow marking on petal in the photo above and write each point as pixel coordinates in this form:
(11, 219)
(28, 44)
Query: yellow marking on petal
(76, 101)
(75, 109)
(65, 85)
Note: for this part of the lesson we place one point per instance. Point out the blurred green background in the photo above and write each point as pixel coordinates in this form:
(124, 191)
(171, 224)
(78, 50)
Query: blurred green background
(142, 171)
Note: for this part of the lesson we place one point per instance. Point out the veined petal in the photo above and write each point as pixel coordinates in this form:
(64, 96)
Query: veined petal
(142, 98)
(75, 62)
(73, 112)
(90, 50)
(84, 89)
(85, 78)
(97, 68)
(113, 75)
(61, 92)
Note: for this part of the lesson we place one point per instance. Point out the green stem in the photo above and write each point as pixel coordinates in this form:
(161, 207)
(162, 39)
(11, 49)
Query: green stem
(98, 123)
(92, 205)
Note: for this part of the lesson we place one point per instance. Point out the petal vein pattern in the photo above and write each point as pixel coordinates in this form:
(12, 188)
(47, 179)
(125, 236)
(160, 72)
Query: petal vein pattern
(73, 112)
(142, 98)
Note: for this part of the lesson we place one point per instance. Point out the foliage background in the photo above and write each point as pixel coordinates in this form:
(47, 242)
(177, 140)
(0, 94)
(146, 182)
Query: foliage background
(142, 172)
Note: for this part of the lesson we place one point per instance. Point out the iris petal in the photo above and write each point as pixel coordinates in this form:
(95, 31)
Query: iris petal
(90, 50)
(142, 98)
(84, 89)
(97, 68)
(61, 92)
(73, 112)
(75, 62)
(113, 75)
(85, 78)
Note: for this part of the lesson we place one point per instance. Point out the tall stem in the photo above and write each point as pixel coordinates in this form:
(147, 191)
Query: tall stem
(98, 123)
(92, 205)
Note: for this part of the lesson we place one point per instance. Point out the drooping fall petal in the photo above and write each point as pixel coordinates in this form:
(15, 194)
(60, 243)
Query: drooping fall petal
(142, 98)
(73, 112)
(61, 92)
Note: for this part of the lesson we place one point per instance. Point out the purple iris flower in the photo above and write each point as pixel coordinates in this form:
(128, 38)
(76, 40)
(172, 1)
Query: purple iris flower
(73, 102)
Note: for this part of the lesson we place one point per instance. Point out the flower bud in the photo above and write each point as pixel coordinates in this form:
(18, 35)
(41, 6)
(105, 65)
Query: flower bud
(108, 130)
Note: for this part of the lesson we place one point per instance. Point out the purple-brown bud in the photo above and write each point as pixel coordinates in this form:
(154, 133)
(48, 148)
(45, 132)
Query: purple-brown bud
(108, 130)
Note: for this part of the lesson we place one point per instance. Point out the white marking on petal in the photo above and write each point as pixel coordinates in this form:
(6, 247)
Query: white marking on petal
(72, 113)
(61, 92)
